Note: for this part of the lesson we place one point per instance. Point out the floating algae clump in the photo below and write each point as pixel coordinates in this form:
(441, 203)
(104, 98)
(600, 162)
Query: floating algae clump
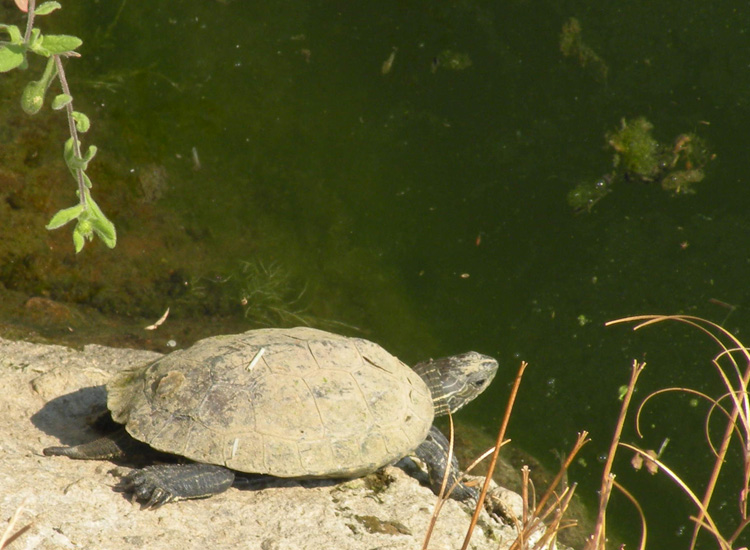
(585, 195)
(636, 149)
(681, 181)
(640, 157)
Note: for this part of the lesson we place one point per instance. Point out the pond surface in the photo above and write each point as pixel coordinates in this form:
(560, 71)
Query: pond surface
(401, 170)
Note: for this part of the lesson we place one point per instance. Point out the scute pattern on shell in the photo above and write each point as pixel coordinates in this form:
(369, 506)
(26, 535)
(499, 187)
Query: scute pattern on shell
(315, 404)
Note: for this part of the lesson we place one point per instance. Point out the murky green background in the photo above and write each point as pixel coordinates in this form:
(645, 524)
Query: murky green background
(424, 208)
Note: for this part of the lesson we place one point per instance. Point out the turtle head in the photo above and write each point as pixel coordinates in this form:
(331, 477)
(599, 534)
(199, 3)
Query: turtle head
(456, 380)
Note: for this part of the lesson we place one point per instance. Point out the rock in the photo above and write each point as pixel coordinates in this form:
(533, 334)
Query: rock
(50, 391)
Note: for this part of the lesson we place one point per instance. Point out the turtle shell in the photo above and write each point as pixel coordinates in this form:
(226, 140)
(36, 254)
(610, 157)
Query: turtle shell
(294, 402)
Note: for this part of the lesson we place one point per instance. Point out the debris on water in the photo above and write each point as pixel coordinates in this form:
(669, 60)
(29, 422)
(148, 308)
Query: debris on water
(388, 63)
(196, 159)
(158, 323)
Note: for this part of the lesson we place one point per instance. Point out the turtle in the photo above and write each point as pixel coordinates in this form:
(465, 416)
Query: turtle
(290, 403)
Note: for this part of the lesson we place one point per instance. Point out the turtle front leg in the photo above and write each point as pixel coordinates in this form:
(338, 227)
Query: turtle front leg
(434, 453)
(164, 483)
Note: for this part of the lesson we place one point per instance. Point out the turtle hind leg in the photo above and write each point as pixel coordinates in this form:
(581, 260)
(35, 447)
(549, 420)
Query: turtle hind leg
(433, 451)
(163, 483)
(112, 446)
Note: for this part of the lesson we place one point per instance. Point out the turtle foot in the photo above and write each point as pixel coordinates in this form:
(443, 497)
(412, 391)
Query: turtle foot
(158, 485)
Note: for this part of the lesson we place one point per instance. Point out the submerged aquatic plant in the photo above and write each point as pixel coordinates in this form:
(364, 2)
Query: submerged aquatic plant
(267, 293)
(269, 296)
(90, 220)
(572, 45)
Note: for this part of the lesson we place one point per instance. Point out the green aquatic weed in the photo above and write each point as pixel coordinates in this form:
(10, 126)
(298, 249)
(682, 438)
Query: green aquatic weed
(636, 149)
(90, 220)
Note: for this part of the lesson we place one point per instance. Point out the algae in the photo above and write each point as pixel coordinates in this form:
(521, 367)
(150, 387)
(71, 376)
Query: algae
(572, 45)
(640, 157)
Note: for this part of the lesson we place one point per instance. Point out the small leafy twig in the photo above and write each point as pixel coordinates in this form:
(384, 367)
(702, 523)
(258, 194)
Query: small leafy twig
(90, 220)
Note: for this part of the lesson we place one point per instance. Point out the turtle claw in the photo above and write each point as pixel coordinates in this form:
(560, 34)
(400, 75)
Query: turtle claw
(146, 485)
(159, 485)
(159, 497)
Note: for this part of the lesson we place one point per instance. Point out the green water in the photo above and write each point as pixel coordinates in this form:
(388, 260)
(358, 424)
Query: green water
(427, 206)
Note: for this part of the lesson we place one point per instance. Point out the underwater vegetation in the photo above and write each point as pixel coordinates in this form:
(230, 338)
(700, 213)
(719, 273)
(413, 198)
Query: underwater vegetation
(572, 45)
(267, 293)
(639, 157)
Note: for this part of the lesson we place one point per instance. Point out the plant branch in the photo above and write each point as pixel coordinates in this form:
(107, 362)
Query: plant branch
(29, 21)
(72, 129)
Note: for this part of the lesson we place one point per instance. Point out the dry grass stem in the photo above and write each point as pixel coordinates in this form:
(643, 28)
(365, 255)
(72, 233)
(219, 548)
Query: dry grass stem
(7, 539)
(581, 440)
(738, 419)
(631, 498)
(525, 473)
(554, 526)
(533, 522)
(442, 497)
(715, 404)
(598, 538)
(704, 520)
(493, 461)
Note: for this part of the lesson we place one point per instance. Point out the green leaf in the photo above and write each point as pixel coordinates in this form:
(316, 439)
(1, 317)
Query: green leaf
(91, 221)
(57, 44)
(78, 241)
(47, 8)
(64, 216)
(61, 101)
(94, 220)
(14, 32)
(105, 229)
(90, 154)
(68, 153)
(32, 97)
(74, 162)
(11, 56)
(36, 36)
(82, 122)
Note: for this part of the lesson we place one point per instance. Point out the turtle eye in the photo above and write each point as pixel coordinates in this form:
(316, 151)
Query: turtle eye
(479, 383)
